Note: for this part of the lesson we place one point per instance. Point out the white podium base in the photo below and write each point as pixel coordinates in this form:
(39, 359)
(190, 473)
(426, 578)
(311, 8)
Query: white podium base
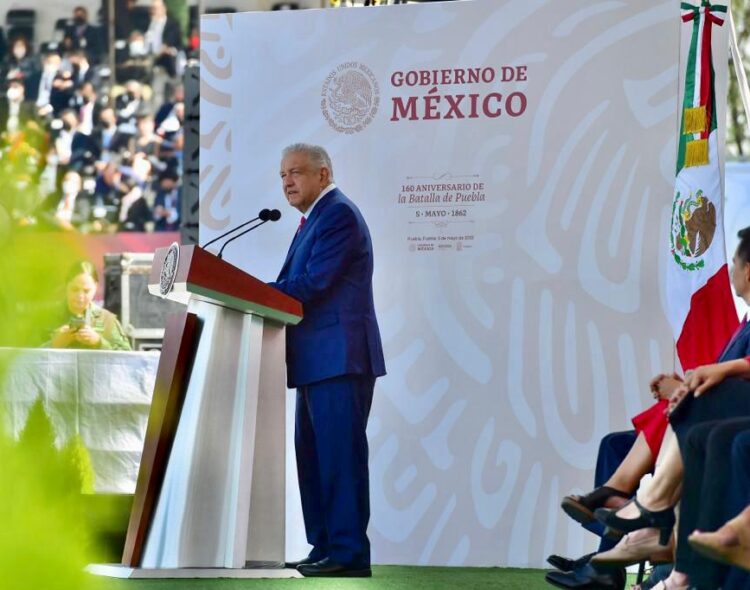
(115, 570)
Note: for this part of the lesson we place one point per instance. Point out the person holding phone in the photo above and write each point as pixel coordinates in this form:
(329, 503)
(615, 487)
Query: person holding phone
(87, 326)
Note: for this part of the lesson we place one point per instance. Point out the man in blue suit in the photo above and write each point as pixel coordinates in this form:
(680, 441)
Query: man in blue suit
(333, 357)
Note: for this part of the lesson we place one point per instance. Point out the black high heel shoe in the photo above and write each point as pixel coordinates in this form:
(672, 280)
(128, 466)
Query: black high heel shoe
(581, 508)
(664, 520)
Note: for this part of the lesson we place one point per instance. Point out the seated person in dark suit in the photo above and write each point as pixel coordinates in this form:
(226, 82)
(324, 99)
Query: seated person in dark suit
(107, 135)
(82, 70)
(15, 110)
(74, 148)
(730, 544)
(62, 91)
(168, 108)
(718, 392)
(711, 495)
(613, 452)
(167, 202)
(89, 109)
(74, 207)
(146, 141)
(82, 35)
(20, 60)
(164, 37)
(109, 190)
(623, 459)
(135, 212)
(41, 84)
(134, 61)
(129, 106)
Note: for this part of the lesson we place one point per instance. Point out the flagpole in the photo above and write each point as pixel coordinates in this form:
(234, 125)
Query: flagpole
(739, 70)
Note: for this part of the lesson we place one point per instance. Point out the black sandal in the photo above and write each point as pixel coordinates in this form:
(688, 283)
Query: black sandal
(664, 520)
(581, 508)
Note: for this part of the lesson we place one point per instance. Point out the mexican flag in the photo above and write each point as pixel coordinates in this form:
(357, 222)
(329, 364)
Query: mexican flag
(700, 306)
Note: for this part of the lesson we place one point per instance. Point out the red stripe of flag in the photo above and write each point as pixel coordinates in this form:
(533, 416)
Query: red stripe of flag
(710, 322)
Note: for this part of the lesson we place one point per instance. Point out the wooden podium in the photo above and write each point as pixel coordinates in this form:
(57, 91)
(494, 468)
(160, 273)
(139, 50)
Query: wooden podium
(211, 488)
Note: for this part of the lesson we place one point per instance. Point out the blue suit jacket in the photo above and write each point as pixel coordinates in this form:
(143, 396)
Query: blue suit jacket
(329, 269)
(739, 347)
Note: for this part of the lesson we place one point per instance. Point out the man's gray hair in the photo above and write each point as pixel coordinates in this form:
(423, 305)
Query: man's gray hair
(318, 155)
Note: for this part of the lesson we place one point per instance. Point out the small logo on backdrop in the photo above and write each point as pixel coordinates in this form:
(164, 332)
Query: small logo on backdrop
(169, 269)
(350, 97)
(693, 228)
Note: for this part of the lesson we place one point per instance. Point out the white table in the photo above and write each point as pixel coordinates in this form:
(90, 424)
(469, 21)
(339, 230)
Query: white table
(104, 396)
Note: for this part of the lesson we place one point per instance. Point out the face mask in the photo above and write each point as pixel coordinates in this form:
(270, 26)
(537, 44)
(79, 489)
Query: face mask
(79, 20)
(171, 124)
(69, 187)
(131, 95)
(19, 52)
(67, 126)
(14, 94)
(137, 48)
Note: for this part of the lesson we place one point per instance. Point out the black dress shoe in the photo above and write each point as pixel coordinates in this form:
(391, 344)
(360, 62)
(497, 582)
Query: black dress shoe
(328, 568)
(306, 561)
(588, 577)
(565, 564)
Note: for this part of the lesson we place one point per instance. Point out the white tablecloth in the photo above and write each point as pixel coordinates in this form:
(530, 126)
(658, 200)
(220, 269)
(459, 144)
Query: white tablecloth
(103, 396)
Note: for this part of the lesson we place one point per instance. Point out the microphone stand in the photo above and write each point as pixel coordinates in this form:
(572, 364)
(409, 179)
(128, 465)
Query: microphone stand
(233, 238)
(234, 229)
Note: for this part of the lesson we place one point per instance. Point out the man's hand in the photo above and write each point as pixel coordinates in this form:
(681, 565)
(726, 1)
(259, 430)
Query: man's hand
(663, 386)
(88, 337)
(705, 377)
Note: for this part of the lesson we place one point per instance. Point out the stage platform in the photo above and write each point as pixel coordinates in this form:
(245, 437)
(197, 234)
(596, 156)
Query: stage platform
(389, 577)
(113, 570)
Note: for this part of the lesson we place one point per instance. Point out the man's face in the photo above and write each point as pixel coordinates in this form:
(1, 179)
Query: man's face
(741, 277)
(87, 92)
(167, 184)
(52, 62)
(301, 181)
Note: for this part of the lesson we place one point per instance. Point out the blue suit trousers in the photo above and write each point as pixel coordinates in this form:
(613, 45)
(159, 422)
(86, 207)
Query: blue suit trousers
(332, 466)
(613, 449)
(739, 499)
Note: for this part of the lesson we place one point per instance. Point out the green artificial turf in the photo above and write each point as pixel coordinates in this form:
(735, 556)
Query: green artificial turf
(384, 577)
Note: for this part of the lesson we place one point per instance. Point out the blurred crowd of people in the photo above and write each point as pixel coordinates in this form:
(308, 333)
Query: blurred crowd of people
(88, 149)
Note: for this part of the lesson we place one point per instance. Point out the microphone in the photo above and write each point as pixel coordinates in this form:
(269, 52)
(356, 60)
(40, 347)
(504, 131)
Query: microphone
(262, 215)
(265, 216)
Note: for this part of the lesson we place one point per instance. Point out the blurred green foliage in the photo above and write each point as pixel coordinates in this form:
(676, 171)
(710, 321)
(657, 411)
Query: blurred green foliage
(45, 536)
(44, 542)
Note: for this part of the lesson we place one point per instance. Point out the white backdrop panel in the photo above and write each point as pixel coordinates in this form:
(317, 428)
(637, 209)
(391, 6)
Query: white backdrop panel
(519, 327)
